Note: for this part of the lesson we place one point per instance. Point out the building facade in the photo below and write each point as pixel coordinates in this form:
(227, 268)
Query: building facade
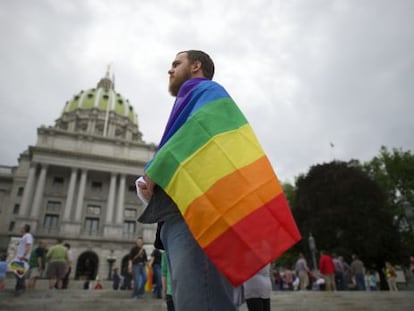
(78, 183)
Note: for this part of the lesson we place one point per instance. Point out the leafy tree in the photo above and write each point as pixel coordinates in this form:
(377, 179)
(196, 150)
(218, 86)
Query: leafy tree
(289, 191)
(394, 172)
(346, 212)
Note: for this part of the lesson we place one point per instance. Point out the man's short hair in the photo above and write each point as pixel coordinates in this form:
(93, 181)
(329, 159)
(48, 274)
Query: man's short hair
(207, 65)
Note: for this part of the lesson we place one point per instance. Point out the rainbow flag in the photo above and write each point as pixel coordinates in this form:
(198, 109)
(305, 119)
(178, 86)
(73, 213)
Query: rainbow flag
(211, 164)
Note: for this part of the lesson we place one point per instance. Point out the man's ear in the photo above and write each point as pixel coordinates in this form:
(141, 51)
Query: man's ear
(195, 67)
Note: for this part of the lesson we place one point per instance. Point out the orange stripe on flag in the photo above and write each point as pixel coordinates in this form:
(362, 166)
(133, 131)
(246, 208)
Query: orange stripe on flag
(231, 199)
(255, 241)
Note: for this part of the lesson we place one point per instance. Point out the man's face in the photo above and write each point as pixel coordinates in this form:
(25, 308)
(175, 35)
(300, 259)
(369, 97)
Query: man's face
(140, 242)
(179, 73)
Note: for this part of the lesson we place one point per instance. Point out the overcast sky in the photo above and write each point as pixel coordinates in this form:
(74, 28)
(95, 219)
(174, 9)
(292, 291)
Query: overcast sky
(305, 73)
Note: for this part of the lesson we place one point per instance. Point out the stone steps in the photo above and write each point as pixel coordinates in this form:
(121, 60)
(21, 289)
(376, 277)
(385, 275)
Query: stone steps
(43, 299)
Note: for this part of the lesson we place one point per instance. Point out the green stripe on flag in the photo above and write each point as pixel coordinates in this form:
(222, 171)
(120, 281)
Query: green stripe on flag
(214, 118)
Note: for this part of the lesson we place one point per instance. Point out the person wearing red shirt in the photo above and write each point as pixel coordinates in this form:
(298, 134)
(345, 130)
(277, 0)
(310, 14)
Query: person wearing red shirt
(327, 269)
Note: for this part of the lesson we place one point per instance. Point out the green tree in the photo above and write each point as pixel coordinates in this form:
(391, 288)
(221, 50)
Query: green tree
(346, 212)
(289, 191)
(394, 172)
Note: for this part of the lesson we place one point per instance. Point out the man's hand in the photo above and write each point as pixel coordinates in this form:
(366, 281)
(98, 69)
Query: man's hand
(146, 187)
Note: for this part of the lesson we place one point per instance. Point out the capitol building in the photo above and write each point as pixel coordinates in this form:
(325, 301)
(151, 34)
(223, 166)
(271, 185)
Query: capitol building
(78, 183)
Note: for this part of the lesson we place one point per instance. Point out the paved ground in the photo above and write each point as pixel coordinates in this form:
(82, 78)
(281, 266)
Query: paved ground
(108, 300)
(43, 299)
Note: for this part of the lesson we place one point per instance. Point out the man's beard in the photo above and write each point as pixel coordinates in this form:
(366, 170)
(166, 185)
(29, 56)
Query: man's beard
(175, 84)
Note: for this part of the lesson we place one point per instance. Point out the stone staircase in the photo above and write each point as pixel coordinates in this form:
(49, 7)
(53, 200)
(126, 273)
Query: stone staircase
(75, 298)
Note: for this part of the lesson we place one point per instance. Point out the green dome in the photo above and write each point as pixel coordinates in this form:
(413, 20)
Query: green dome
(103, 97)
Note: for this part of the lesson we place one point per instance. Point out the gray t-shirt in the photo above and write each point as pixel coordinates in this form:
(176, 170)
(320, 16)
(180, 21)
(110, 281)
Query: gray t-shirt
(300, 265)
(259, 286)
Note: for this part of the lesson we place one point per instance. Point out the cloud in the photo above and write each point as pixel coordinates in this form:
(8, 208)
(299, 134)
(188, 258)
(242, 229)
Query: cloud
(305, 73)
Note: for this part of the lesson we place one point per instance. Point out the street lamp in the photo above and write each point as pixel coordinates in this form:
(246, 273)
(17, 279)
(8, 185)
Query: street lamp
(409, 214)
(312, 247)
(110, 259)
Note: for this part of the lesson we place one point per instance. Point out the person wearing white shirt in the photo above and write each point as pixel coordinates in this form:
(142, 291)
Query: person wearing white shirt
(23, 254)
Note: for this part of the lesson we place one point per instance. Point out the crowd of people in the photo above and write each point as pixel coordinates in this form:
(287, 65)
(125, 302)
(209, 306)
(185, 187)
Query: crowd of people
(333, 274)
(30, 263)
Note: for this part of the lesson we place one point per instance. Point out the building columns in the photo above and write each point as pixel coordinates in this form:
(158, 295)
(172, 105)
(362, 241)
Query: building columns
(111, 199)
(81, 195)
(121, 199)
(40, 187)
(28, 191)
(71, 193)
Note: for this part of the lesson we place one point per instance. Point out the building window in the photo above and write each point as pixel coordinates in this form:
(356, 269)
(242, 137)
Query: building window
(129, 228)
(16, 209)
(130, 213)
(96, 186)
(20, 191)
(132, 188)
(11, 225)
(93, 210)
(58, 181)
(53, 206)
(51, 222)
(91, 226)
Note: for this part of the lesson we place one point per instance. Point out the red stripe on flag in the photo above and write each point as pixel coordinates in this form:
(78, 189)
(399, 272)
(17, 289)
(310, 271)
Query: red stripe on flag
(253, 242)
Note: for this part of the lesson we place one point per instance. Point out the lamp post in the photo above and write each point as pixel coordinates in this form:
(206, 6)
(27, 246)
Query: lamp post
(409, 214)
(110, 259)
(312, 247)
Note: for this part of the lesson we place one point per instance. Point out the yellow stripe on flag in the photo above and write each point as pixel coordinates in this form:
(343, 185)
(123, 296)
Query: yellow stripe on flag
(220, 156)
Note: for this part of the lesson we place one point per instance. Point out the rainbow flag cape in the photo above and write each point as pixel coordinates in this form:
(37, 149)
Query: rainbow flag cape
(212, 166)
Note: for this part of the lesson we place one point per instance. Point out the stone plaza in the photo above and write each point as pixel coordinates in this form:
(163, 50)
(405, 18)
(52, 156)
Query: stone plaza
(108, 300)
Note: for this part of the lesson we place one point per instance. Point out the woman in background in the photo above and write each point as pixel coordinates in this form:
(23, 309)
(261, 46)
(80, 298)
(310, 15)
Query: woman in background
(258, 289)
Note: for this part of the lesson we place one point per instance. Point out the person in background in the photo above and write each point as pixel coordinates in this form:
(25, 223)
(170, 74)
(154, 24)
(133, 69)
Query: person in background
(3, 270)
(339, 272)
(347, 272)
(372, 281)
(23, 252)
(358, 273)
(288, 278)
(116, 279)
(37, 263)
(57, 258)
(166, 283)
(65, 281)
(302, 271)
(137, 266)
(98, 284)
(155, 264)
(327, 269)
(391, 276)
(258, 289)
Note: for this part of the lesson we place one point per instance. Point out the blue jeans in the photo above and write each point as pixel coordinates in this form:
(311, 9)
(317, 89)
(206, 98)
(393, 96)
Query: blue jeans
(360, 281)
(140, 278)
(156, 269)
(196, 283)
